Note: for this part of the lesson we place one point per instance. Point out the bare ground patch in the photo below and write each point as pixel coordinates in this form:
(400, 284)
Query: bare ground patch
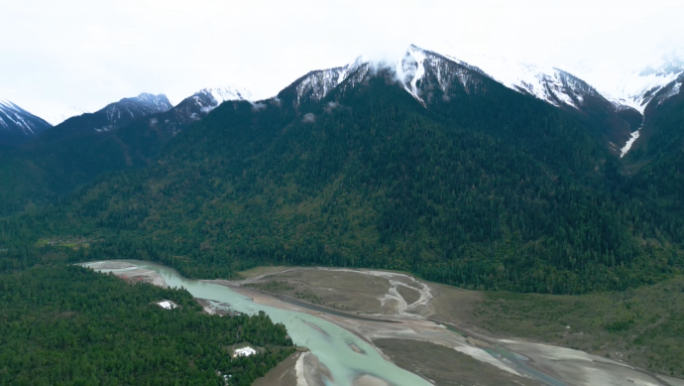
(410, 295)
(346, 291)
(445, 366)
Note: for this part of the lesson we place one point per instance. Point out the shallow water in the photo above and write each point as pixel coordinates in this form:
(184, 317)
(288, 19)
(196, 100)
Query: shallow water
(329, 342)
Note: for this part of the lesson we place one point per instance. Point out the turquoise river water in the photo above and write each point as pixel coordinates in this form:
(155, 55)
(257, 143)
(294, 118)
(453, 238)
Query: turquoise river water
(332, 347)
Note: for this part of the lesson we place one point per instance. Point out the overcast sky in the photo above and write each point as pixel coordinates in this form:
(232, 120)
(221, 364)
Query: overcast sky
(87, 53)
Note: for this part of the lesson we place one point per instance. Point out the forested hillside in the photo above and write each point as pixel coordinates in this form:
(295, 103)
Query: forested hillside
(49, 167)
(69, 325)
(75, 152)
(656, 171)
(475, 185)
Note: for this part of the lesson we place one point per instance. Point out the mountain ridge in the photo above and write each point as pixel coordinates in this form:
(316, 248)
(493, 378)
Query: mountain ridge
(428, 165)
(18, 125)
(486, 188)
(122, 135)
(612, 122)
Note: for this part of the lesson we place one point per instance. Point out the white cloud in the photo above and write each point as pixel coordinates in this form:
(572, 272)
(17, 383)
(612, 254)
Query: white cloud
(86, 53)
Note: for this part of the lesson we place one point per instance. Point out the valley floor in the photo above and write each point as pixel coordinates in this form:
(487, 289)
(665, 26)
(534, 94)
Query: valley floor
(444, 334)
(430, 329)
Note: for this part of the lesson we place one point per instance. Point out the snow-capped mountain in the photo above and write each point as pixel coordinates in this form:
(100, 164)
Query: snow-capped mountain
(315, 85)
(549, 84)
(668, 91)
(420, 72)
(18, 125)
(128, 109)
(111, 117)
(644, 85)
(223, 94)
(165, 124)
(196, 107)
(210, 98)
(638, 87)
(410, 71)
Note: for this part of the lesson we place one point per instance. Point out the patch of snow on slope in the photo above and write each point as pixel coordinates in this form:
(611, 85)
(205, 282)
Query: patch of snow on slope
(410, 70)
(15, 115)
(158, 103)
(320, 83)
(543, 82)
(630, 142)
(223, 94)
(317, 84)
(674, 90)
(417, 62)
(6, 107)
(4, 103)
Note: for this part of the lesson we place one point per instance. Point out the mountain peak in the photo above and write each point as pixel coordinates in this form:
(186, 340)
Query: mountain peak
(315, 85)
(155, 102)
(408, 69)
(222, 94)
(549, 84)
(18, 125)
(211, 97)
(126, 110)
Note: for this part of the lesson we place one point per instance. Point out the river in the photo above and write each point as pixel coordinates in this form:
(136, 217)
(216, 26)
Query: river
(329, 342)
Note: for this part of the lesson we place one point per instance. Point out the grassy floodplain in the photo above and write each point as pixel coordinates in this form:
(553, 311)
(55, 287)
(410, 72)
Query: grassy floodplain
(643, 326)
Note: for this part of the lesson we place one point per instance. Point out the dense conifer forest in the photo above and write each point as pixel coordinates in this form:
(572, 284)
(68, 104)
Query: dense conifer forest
(71, 326)
(483, 188)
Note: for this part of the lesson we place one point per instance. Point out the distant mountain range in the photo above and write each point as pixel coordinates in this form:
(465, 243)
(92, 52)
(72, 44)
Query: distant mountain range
(616, 114)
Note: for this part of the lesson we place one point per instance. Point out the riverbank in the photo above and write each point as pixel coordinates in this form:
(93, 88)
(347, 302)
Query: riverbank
(392, 312)
(336, 357)
(420, 312)
(388, 315)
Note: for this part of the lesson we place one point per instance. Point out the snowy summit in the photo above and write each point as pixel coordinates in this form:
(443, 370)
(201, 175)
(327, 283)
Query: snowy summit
(213, 97)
